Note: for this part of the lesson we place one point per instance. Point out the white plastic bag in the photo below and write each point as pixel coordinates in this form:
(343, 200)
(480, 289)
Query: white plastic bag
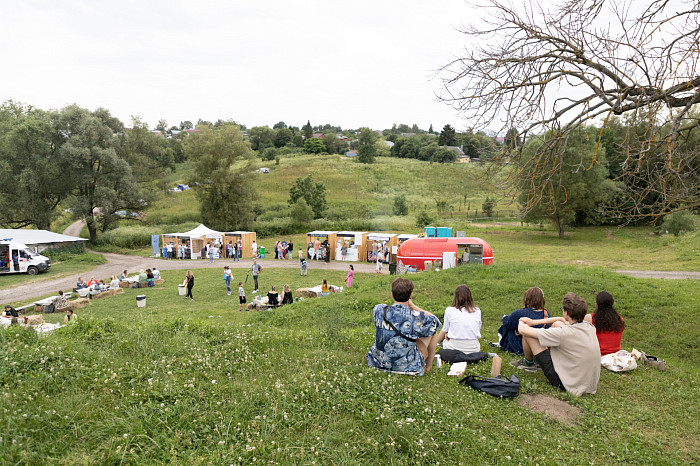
(622, 361)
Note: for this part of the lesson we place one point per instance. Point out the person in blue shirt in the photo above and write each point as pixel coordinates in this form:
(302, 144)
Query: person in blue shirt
(511, 340)
(406, 335)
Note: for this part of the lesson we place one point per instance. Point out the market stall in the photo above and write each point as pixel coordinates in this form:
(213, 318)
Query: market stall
(246, 238)
(194, 240)
(354, 243)
(321, 238)
(385, 242)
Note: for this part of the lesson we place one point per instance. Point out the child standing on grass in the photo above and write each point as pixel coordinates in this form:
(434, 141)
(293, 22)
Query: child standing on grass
(241, 296)
(227, 279)
(348, 279)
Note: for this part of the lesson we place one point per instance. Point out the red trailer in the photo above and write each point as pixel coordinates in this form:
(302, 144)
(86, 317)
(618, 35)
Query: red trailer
(416, 251)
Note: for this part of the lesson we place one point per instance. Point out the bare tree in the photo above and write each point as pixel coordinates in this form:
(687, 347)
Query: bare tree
(557, 69)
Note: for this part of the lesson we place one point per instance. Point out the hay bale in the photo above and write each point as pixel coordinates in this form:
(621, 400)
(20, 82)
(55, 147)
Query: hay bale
(35, 319)
(158, 281)
(106, 293)
(305, 293)
(78, 303)
(124, 284)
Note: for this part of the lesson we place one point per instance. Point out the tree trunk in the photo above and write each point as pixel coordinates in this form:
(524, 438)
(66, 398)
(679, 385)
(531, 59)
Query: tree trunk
(92, 227)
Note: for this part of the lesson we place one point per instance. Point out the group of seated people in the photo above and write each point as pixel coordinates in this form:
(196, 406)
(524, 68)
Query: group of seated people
(275, 300)
(567, 349)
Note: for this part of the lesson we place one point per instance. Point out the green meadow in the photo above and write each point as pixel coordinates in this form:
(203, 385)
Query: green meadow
(198, 382)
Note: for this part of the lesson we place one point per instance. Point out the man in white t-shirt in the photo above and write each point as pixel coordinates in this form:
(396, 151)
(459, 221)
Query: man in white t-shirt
(568, 353)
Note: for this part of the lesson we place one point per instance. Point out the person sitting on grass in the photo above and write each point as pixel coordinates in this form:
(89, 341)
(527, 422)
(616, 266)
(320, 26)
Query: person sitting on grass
(123, 275)
(273, 297)
(568, 355)
(406, 335)
(114, 283)
(156, 273)
(80, 284)
(608, 324)
(60, 302)
(287, 298)
(325, 290)
(70, 318)
(10, 311)
(149, 277)
(510, 339)
(462, 323)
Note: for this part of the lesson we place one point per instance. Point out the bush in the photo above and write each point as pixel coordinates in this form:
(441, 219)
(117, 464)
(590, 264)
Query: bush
(678, 222)
(423, 219)
(488, 206)
(400, 205)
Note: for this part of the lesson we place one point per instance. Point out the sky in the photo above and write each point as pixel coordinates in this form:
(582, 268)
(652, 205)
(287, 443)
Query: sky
(257, 62)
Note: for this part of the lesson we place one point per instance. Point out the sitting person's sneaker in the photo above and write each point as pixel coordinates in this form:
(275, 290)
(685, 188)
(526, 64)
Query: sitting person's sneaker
(525, 365)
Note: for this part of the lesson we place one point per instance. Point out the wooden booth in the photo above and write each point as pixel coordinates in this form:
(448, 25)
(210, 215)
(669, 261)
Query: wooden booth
(197, 240)
(356, 244)
(175, 241)
(322, 237)
(246, 238)
(383, 240)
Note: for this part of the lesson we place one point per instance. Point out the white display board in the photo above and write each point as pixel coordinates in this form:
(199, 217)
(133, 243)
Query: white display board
(449, 260)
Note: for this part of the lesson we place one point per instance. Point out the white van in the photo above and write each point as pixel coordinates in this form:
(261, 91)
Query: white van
(18, 258)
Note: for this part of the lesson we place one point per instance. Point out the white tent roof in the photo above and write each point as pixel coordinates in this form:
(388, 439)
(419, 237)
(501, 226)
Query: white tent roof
(200, 232)
(380, 236)
(407, 236)
(31, 237)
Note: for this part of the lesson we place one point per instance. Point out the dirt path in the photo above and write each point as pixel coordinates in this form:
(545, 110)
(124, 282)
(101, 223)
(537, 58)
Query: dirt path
(74, 228)
(658, 274)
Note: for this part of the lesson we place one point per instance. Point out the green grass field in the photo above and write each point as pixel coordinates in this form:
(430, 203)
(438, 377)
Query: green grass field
(202, 383)
(74, 265)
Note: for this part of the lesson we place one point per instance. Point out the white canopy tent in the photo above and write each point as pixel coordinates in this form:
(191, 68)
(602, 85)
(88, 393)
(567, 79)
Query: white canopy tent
(196, 237)
(38, 240)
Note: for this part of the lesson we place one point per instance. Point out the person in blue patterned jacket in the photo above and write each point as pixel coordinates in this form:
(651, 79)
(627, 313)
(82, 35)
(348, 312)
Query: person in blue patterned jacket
(406, 334)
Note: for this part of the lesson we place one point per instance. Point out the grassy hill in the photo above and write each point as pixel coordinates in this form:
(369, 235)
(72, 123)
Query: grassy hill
(201, 383)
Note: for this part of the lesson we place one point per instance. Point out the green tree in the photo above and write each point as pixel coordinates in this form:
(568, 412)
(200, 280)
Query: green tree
(313, 193)
(333, 144)
(187, 124)
(569, 192)
(32, 180)
(678, 222)
(261, 137)
(283, 136)
(307, 130)
(279, 125)
(101, 181)
(400, 205)
(366, 149)
(423, 219)
(222, 160)
(314, 146)
(297, 140)
(447, 136)
(301, 213)
(430, 130)
(512, 140)
(488, 206)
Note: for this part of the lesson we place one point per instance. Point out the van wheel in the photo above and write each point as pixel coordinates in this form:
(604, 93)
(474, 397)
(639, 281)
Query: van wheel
(32, 270)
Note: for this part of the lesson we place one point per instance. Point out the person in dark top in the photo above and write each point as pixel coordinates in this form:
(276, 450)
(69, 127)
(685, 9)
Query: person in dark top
(533, 301)
(189, 283)
(273, 297)
(287, 297)
(11, 311)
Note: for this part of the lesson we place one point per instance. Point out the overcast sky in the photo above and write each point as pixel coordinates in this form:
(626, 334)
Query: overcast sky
(360, 63)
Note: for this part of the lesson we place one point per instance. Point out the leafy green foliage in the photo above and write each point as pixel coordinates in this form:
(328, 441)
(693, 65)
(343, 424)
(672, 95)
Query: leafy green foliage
(222, 160)
(313, 193)
(447, 136)
(400, 205)
(302, 214)
(314, 146)
(488, 205)
(579, 188)
(679, 222)
(423, 218)
(366, 149)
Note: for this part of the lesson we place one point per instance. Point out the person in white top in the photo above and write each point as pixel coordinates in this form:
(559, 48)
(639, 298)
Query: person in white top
(461, 329)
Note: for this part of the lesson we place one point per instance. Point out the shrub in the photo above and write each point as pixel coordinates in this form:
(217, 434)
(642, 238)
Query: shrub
(423, 219)
(488, 206)
(400, 205)
(678, 222)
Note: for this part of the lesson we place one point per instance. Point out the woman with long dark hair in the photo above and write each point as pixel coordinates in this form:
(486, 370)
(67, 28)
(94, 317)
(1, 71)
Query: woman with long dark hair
(608, 324)
(462, 323)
